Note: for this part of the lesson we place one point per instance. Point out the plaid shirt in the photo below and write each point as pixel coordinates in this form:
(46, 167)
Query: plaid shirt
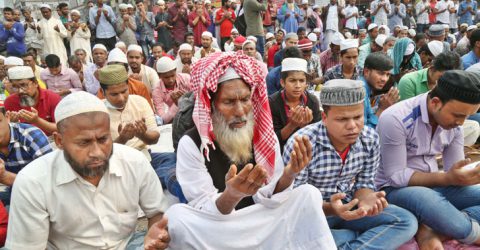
(326, 170)
(26, 144)
(337, 73)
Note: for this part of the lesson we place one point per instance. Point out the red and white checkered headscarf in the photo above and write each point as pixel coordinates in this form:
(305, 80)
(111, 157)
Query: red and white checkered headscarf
(204, 78)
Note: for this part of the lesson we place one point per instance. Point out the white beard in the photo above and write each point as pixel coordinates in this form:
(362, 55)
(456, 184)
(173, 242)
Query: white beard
(235, 143)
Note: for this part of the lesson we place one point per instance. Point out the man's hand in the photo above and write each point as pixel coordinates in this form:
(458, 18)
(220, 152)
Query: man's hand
(8, 25)
(175, 95)
(99, 12)
(3, 171)
(39, 29)
(157, 236)
(13, 116)
(344, 210)
(126, 17)
(457, 176)
(29, 116)
(300, 156)
(297, 116)
(136, 76)
(105, 12)
(389, 98)
(127, 132)
(247, 182)
(186, 69)
(373, 203)
(287, 15)
(56, 28)
(307, 116)
(140, 128)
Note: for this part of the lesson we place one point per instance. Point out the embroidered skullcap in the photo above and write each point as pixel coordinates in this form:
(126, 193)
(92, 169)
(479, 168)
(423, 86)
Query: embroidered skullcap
(463, 86)
(294, 64)
(291, 35)
(76, 103)
(230, 74)
(342, 92)
(436, 30)
(165, 64)
(122, 6)
(112, 74)
(412, 32)
(348, 44)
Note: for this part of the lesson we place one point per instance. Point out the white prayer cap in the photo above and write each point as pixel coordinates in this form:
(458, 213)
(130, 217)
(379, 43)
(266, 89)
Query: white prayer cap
(230, 74)
(404, 28)
(397, 26)
(75, 12)
(412, 32)
(372, 26)
(312, 37)
(99, 46)
(348, 44)
(120, 44)
(380, 40)
(160, 2)
(464, 25)
(13, 61)
(185, 46)
(436, 47)
(348, 35)
(337, 38)
(134, 47)
(410, 49)
(20, 72)
(44, 5)
(471, 27)
(252, 38)
(165, 64)
(446, 26)
(207, 34)
(315, 7)
(294, 64)
(291, 35)
(122, 6)
(130, 6)
(234, 31)
(269, 35)
(304, 2)
(207, 2)
(317, 30)
(117, 55)
(76, 103)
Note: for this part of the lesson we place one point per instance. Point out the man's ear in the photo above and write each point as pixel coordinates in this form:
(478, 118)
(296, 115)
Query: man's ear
(58, 138)
(282, 83)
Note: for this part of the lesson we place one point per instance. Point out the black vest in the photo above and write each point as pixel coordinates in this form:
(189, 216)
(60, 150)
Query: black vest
(218, 167)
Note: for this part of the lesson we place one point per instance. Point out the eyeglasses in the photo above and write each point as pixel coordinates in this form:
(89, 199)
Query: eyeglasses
(23, 86)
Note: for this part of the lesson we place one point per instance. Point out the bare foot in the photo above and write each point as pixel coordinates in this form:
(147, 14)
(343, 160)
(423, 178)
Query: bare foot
(427, 239)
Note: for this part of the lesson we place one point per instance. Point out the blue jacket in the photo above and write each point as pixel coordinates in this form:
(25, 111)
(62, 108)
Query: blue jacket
(273, 80)
(14, 38)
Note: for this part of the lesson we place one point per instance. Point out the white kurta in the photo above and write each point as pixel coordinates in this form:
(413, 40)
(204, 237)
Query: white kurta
(81, 40)
(292, 219)
(149, 77)
(53, 40)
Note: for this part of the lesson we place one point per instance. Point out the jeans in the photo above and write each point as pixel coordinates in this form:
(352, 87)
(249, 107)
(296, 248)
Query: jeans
(136, 242)
(6, 195)
(270, 28)
(452, 211)
(108, 42)
(260, 44)
(388, 230)
(164, 165)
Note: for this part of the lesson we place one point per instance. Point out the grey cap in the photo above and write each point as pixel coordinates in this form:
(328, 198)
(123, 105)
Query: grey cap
(436, 30)
(342, 92)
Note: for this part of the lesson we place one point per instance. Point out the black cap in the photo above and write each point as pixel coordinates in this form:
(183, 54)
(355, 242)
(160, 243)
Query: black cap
(460, 85)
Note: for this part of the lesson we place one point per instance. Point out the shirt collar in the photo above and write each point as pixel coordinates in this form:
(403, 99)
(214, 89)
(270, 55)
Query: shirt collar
(423, 107)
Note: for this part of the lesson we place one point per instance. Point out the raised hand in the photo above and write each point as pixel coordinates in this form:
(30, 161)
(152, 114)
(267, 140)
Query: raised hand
(126, 132)
(247, 182)
(344, 210)
(300, 156)
(389, 98)
(28, 116)
(140, 128)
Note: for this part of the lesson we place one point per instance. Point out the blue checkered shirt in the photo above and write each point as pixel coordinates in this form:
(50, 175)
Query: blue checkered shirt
(26, 144)
(337, 73)
(326, 170)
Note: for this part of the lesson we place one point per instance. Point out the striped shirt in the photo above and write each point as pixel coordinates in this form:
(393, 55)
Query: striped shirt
(327, 60)
(326, 170)
(26, 144)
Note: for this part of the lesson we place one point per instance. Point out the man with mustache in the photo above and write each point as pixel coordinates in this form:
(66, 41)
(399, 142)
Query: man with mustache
(132, 123)
(30, 103)
(138, 70)
(230, 168)
(346, 155)
(87, 193)
(185, 58)
(412, 134)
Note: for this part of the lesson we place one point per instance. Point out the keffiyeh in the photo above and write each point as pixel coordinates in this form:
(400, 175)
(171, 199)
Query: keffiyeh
(205, 74)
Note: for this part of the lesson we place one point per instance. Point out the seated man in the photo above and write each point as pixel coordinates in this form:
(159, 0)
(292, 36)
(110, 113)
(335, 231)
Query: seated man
(132, 123)
(59, 78)
(135, 87)
(31, 104)
(171, 87)
(293, 107)
(19, 145)
(207, 46)
(86, 194)
(346, 156)
(99, 54)
(375, 76)
(140, 71)
(157, 53)
(185, 59)
(274, 76)
(348, 67)
(241, 187)
(412, 134)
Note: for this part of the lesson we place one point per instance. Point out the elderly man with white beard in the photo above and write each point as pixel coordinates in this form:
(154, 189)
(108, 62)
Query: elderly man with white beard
(231, 171)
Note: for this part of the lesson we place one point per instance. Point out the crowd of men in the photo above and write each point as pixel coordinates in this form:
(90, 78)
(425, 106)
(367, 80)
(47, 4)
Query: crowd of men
(293, 126)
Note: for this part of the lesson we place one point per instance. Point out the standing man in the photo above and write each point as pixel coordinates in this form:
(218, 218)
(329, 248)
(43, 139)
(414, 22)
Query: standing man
(146, 28)
(397, 14)
(52, 32)
(178, 20)
(412, 134)
(473, 56)
(346, 157)
(102, 20)
(289, 16)
(225, 17)
(331, 15)
(380, 10)
(422, 9)
(467, 9)
(253, 17)
(351, 15)
(199, 20)
(442, 10)
(13, 34)
(87, 177)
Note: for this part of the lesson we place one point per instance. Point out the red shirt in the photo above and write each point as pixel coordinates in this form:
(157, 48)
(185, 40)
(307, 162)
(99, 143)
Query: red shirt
(226, 26)
(3, 224)
(47, 102)
(271, 55)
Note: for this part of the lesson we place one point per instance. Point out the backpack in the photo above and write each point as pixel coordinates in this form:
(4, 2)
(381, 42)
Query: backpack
(183, 120)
